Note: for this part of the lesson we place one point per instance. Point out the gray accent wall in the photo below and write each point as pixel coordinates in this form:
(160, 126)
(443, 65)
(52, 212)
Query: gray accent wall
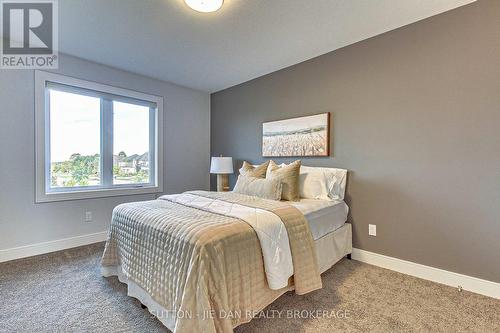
(22, 222)
(416, 121)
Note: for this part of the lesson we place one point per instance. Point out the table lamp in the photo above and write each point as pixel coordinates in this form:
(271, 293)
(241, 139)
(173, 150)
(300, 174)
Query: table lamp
(222, 166)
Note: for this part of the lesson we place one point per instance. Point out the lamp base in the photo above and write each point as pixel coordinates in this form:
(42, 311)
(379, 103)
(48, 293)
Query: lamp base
(222, 182)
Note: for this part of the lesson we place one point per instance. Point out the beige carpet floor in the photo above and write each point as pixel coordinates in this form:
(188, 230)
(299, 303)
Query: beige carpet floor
(64, 292)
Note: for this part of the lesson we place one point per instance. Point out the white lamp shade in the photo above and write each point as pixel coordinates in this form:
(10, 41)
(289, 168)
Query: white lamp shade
(221, 165)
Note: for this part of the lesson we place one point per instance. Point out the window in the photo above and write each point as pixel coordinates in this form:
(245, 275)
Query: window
(95, 140)
(75, 140)
(131, 141)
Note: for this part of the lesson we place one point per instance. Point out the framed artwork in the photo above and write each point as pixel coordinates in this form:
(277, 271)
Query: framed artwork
(302, 136)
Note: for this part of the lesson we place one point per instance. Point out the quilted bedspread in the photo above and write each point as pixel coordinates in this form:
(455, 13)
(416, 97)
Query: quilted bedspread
(270, 230)
(205, 268)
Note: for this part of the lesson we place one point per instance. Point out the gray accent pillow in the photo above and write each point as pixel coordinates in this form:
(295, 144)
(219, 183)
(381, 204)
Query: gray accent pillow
(259, 187)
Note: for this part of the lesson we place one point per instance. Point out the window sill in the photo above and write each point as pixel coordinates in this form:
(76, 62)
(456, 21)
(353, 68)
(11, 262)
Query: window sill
(96, 193)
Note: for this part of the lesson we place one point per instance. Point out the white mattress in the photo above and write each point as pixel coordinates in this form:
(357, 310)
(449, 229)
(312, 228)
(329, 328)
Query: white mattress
(324, 216)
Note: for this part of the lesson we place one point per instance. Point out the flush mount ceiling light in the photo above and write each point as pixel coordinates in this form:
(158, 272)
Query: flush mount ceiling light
(204, 6)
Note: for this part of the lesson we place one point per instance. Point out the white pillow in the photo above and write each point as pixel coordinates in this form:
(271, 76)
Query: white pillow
(322, 183)
(314, 185)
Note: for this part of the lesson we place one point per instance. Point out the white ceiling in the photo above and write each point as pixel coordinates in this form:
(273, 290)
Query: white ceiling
(165, 39)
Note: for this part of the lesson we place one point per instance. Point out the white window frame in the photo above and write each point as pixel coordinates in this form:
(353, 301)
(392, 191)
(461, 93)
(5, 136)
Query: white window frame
(43, 191)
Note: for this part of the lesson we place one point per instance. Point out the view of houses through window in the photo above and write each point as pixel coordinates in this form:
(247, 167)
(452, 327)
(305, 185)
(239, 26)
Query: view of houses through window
(83, 170)
(130, 169)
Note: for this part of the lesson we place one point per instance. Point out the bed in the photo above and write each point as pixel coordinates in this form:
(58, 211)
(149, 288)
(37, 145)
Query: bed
(210, 261)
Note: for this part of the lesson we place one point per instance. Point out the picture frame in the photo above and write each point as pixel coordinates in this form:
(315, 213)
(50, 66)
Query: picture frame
(306, 136)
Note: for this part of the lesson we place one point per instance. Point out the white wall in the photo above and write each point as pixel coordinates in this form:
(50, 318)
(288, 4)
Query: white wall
(22, 222)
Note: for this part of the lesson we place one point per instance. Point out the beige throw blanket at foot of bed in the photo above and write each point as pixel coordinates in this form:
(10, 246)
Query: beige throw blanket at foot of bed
(205, 268)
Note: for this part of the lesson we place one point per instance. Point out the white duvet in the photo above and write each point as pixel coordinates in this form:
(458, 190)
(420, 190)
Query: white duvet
(269, 228)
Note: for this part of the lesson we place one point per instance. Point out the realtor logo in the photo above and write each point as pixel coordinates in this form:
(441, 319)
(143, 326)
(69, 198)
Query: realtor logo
(29, 34)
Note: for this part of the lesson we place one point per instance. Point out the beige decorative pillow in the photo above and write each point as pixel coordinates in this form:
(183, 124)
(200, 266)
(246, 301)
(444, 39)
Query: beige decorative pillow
(289, 177)
(254, 171)
(259, 187)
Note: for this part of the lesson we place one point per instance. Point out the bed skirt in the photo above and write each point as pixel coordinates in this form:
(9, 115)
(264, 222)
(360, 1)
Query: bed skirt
(333, 246)
(133, 290)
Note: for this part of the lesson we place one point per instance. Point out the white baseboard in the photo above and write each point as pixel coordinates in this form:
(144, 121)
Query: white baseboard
(479, 286)
(52, 246)
(476, 285)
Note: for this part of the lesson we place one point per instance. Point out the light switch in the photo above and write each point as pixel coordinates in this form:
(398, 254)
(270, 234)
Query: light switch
(88, 216)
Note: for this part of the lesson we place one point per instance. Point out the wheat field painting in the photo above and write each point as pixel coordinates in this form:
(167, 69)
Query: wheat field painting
(303, 136)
